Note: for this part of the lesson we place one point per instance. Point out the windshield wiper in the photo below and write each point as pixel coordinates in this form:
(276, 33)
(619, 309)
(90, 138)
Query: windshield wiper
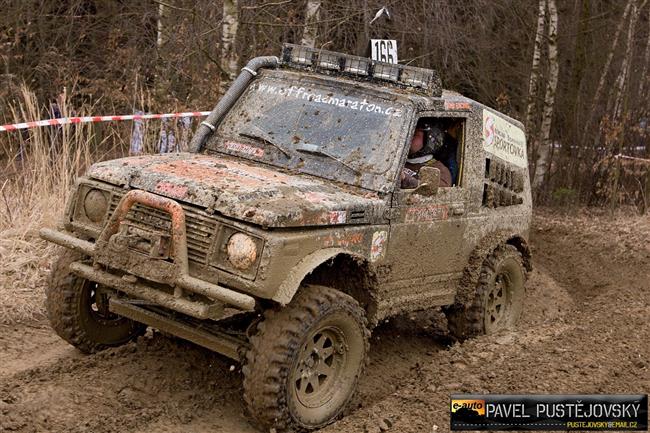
(258, 134)
(317, 150)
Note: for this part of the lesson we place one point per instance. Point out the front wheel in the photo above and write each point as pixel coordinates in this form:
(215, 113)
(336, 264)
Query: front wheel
(79, 313)
(498, 299)
(305, 360)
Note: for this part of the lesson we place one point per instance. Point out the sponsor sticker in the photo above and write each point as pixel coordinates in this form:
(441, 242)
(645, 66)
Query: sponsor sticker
(503, 139)
(426, 213)
(321, 96)
(457, 106)
(549, 412)
(377, 249)
(343, 239)
(246, 149)
(337, 216)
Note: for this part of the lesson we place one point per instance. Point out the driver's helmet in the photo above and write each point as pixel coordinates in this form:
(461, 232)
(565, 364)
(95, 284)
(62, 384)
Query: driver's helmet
(433, 139)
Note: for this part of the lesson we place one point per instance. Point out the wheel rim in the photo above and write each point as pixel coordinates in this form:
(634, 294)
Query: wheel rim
(98, 305)
(321, 364)
(498, 303)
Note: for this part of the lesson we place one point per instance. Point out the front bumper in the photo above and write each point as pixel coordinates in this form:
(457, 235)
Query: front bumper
(112, 251)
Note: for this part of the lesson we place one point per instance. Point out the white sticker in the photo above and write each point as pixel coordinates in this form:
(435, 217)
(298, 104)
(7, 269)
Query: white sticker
(504, 140)
(384, 50)
(337, 216)
(377, 246)
(245, 149)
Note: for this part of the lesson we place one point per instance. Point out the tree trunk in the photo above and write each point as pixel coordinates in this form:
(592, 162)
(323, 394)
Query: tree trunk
(534, 71)
(229, 58)
(312, 16)
(620, 84)
(551, 87)
(363, 41)
(619, 101)
(645, 80)
(159, 25)
(570, 154)
(643, 89)
(604, 73)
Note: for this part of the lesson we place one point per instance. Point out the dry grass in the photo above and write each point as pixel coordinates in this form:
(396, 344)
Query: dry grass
(34, 182)
(37, 171)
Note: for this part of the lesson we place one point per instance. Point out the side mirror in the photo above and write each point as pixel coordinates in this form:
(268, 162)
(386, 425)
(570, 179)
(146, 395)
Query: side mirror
(429, 181)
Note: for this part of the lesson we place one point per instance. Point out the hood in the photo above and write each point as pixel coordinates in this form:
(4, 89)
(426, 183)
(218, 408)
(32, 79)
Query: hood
(241, 190)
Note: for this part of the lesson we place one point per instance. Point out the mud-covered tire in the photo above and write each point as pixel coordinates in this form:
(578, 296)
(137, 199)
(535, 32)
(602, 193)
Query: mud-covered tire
(501, 283)
(73, 313)
(305, 361)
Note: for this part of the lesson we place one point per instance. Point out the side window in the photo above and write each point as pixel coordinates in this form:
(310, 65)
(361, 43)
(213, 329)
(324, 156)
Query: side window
(437, 142)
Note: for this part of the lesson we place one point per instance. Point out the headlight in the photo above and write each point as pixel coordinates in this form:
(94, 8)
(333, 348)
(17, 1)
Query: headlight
(95, 205)
(242, 251)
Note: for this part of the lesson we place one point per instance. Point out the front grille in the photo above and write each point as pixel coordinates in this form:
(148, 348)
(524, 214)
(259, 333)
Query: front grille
(200, 228)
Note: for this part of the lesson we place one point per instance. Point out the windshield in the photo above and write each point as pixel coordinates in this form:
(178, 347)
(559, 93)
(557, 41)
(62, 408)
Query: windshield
(309, 126)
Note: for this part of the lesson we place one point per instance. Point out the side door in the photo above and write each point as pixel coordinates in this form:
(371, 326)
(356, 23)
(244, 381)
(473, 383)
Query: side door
(425, 243)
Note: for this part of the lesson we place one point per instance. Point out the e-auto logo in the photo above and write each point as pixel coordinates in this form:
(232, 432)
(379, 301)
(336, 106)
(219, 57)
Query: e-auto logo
(470, 408)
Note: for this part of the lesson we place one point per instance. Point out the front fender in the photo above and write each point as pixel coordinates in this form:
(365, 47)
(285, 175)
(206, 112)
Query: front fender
(291, 284)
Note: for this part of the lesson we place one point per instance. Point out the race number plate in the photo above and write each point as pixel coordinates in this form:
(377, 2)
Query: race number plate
(384, 50)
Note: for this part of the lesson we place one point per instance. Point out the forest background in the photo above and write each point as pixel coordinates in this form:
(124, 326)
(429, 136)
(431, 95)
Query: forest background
(574, 71)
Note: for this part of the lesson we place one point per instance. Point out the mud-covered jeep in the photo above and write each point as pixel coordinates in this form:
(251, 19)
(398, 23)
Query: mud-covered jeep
(284, 236)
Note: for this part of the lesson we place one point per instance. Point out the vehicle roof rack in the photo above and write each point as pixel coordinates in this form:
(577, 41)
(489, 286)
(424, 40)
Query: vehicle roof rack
(330, 62)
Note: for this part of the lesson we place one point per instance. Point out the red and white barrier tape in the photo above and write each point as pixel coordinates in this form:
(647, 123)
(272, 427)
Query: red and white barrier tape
(90, 119)
(634, 158)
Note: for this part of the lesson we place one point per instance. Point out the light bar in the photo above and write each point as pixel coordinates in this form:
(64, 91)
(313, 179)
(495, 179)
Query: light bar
(386, 71)
(302, 55)
(329, 61)
(361, 68)
(355, 65)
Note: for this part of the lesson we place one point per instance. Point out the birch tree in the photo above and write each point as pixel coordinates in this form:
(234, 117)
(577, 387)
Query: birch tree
(549, 97)
(229, 57)
(618, 106)
(621, 80)
(312, 16)
(159, 25)
(535, 72)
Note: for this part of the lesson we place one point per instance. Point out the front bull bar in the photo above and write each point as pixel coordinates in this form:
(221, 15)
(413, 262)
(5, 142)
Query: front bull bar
(179, 247)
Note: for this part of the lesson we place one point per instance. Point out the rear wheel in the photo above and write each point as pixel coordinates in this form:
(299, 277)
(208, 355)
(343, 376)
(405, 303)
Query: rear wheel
(305, 360)
(498, 298)
(78, 311)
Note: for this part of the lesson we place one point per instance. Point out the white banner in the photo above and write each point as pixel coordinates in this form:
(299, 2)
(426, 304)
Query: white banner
(503, 139)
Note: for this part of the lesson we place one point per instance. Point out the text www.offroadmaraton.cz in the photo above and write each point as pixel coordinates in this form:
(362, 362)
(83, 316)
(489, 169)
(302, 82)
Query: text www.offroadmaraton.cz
(350, 103)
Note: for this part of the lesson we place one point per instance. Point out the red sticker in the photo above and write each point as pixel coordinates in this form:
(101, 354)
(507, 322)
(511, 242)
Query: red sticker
(427, 213)
(457, 106)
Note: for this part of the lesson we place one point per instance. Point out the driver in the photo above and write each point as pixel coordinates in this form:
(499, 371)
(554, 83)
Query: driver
(421, 154)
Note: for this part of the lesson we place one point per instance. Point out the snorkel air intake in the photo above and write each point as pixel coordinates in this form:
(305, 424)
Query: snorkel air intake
(248, 73)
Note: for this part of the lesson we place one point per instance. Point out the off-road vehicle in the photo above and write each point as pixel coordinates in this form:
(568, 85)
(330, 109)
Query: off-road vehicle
(284, 236)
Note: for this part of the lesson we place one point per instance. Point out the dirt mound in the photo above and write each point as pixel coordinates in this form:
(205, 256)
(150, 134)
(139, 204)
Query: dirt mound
(584, 329)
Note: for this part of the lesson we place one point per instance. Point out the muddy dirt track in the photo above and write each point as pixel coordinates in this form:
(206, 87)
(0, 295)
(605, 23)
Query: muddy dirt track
(585, 329)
